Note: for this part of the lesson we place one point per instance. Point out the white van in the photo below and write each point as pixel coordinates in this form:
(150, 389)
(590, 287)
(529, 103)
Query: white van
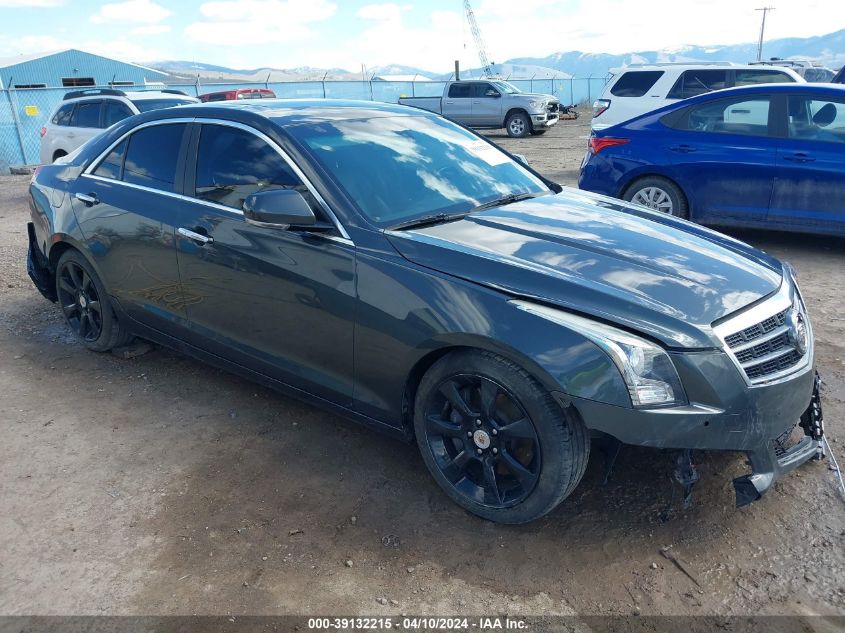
(640, 88)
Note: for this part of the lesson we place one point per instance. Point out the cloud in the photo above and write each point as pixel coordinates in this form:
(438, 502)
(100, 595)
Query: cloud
(120, 48)
(387, 11)
(137, 11)
(240, 22)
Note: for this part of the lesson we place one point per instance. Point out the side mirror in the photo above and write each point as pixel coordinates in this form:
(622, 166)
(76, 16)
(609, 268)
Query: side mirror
(280, 208)
(521, 158)
(493, 93)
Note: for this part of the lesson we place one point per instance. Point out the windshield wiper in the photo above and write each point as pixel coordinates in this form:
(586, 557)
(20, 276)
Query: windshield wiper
(426, 220)
(508, 199)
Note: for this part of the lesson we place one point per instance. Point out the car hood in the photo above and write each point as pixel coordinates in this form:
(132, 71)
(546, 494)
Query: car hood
(646, 271)
(536, 95)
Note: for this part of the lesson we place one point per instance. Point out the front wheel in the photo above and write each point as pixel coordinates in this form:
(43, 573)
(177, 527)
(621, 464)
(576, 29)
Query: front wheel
(538, 132)
(86, 305)
(495, 440)
(518, 125)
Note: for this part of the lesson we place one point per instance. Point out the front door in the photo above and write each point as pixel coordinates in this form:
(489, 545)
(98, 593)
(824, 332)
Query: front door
(810, 187)
(723, 157)
(278, 301)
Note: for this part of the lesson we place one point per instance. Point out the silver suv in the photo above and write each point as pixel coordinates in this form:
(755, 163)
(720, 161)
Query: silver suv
(83, 114)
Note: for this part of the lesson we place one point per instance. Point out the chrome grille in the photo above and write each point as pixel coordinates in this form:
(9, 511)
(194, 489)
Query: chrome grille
(766, 349)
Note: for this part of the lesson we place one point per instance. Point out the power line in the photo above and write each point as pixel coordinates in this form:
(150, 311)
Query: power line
(765, 11)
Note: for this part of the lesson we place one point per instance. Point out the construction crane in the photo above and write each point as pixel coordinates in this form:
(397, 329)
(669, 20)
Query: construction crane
(486, 66)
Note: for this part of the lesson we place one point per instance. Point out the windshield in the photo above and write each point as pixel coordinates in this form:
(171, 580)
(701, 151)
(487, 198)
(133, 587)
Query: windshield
(145, 105)
(507, 88)
(400, 168)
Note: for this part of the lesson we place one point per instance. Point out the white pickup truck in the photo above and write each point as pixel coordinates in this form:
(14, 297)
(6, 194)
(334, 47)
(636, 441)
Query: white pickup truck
(493, 103)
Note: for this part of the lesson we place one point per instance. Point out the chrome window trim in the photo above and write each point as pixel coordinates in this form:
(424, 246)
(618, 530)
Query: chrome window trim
(785, 297)
(88, 171)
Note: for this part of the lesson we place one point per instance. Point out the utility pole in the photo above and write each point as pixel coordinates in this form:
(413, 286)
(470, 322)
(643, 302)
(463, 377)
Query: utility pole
(765, 10)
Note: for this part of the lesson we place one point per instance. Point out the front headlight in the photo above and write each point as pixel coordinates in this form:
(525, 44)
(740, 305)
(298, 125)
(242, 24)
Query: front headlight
(537, 104)
(646, 368)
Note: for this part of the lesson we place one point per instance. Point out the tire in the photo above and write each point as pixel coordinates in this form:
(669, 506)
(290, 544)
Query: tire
(518, 125)
(509, 421)
(86, 305)
(658, 194)
(538, 132)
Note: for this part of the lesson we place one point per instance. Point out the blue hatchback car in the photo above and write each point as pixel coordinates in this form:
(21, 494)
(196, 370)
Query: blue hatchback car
(769, 156)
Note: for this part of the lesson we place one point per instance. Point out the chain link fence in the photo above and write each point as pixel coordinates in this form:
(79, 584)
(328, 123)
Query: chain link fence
(23, 112)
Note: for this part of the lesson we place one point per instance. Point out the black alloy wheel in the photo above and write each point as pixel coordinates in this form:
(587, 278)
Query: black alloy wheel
(80, 301)
(482, 440)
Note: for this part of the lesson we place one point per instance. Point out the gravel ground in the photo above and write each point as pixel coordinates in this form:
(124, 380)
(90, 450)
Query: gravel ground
(158, 485)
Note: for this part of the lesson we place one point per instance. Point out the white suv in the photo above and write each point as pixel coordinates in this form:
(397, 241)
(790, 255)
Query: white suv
(83, 114)
(640, 88)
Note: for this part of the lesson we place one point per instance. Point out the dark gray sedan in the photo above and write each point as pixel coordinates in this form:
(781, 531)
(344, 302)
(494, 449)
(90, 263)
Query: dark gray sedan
(392, 266)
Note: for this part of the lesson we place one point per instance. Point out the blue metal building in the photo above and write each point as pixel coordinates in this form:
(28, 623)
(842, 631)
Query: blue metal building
(72, 68)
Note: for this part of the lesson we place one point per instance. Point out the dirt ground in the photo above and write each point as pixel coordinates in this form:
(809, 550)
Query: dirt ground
(158, 485)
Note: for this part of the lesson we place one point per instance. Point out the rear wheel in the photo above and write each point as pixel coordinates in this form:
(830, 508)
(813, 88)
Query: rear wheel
(658, 194)
(86, 305)
(518, 125)
(495, 440)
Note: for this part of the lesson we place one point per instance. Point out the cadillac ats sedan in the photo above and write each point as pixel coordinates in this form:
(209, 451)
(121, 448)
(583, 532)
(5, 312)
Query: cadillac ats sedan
(393, 266)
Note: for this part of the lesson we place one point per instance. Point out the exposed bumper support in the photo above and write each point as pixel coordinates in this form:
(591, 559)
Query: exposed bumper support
(38, 268)
(767, 468)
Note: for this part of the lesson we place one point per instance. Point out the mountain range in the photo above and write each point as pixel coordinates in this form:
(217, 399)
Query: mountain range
(827, 49)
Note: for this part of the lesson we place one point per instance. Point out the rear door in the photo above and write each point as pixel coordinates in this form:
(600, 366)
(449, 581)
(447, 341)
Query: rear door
(723, 155)
(457, 104)
(126, 205)
(280, 302)
(486, 105)
(809, 192)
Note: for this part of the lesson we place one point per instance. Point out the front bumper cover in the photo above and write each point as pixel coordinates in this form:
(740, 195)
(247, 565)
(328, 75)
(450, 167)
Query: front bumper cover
(38, 268)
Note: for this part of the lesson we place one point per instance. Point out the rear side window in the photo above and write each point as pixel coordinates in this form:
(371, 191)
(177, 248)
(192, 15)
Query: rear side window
(62, 117)
(232, 164)
(114, 111)
(460, 91)
(698, 82)
(220, 96)
(87, 114)
(152, 156)
(112, 165)
(635, 83)
(752, 77)
(746, 117)
(817, 119)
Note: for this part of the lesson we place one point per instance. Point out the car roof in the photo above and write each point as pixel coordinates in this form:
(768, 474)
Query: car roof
(288, 112)
(154, 94)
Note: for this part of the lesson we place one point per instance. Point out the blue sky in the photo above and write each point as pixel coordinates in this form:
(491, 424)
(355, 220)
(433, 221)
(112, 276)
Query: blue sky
(429, 35)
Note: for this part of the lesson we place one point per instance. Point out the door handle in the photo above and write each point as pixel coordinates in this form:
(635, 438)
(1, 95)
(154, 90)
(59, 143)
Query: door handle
(682, 149)
(799, 157)
(90, 199)
(196, 237)
(450, 103)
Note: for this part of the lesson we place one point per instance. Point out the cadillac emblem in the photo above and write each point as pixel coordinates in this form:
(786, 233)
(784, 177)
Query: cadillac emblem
(797, 331)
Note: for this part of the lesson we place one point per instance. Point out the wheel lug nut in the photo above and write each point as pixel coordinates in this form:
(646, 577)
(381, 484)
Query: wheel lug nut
(495, 451)
(469, 433)
(495, 432)
(478, 423)
(479, 451)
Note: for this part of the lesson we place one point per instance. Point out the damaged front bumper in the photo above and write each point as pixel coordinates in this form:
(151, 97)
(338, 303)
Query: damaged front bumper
(753, 421)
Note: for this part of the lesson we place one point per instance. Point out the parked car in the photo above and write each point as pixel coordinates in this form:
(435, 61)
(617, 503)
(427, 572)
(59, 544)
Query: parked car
(401, 270)
(811, 71)
(492, 104)
(641, 88)
(242, 93)
(762, 156)
(83, 114)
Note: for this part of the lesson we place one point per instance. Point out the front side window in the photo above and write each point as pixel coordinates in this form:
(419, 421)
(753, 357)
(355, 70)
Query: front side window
(112, 165)
(233, 163)
(460, 91)
(63, 115)
(748, 117)
(635, 83)
(152, 156)
(508, 89)
(817, 119)
(692, 83)
(401, 168)
(484, 91)
(761, 76)
(87, 114)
